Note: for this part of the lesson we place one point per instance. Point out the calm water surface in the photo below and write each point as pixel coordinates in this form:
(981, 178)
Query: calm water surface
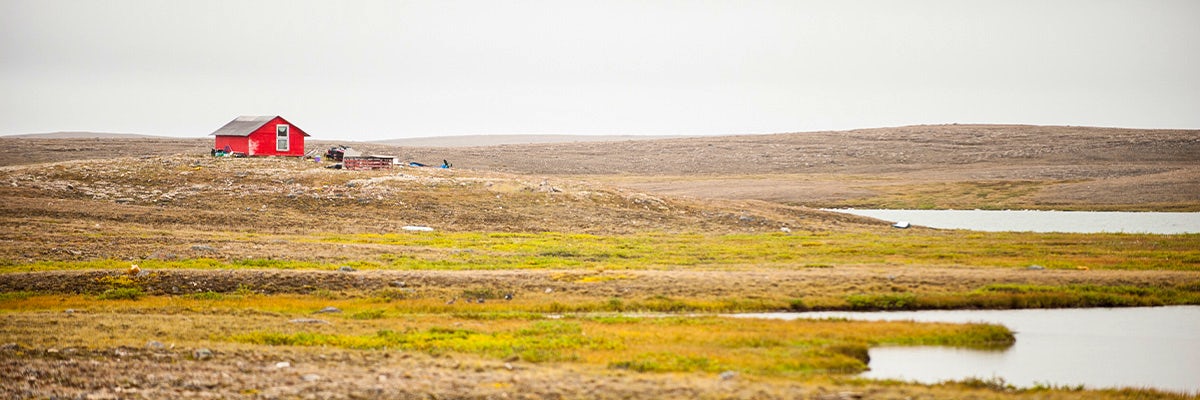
(1154, 347)
(1166, 223)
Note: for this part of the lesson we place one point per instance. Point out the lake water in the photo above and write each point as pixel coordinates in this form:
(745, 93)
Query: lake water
(1153, 347)
(1166, 223)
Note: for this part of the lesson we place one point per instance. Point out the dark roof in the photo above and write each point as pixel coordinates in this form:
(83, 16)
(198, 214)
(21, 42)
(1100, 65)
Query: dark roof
(244, 125)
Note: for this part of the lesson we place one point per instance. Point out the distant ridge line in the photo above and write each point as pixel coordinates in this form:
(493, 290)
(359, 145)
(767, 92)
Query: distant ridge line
(495, 140)
(85, 135)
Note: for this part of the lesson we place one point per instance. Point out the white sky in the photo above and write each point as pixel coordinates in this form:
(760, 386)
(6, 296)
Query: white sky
(367, 70)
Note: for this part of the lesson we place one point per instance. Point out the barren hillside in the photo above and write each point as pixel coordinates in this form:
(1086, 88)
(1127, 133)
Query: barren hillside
(944, 166)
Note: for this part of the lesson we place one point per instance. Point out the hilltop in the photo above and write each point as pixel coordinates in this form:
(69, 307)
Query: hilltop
(941, 166)
(275, 195)
(81, 135)
(495, 140)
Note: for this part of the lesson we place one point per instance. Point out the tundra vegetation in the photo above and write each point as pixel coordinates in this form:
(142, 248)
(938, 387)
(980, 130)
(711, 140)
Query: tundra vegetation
(277, 278)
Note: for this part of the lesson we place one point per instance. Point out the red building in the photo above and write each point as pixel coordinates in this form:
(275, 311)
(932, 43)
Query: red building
(260, 136)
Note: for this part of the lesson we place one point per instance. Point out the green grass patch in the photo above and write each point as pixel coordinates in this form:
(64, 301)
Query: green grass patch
(539, 341)
(553, 250)
(121, 294)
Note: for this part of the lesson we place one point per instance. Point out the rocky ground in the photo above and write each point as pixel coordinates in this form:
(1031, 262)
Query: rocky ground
(545, 285)
(155, 371)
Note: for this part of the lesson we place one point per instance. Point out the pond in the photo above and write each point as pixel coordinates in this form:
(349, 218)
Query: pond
(1152, 347)
(1167, 223)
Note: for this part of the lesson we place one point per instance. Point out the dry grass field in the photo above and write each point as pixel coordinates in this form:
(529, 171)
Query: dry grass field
(566, 270)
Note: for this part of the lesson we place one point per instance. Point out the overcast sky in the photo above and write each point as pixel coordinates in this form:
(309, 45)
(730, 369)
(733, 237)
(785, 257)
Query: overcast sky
(390, 69)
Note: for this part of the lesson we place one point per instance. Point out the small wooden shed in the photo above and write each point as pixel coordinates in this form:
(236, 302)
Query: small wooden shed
(260, 136)
(356, 160)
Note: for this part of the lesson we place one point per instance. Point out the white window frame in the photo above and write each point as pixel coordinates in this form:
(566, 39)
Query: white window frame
(286, 130)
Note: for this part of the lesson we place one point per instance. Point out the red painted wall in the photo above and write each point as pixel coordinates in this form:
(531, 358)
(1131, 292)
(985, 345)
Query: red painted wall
(236, 143)
(262, 141)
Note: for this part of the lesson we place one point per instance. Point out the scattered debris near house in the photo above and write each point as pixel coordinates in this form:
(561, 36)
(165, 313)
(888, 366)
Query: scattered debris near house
(445, 164)
(335, 153)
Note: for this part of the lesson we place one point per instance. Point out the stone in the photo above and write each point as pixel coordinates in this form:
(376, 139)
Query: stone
(311, 377)
(308, 321)
(202, 354)
(1035, 267)
(283, 364)
(728, 375)
(201, 247)
(155, 345)
(346, 268)
(328, 310)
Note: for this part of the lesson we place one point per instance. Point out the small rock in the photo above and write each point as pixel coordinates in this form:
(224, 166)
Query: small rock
(10, 346)
(308, 321)
(69, 311)
(398, 283)
(508, 366)
(283, 364)
(155, 345)
(328, 310)
(346, 268)
(201, 247)
(202, 354)
(849, 396)
(310, 377)
(1035, 267)
(728, 375)
(549, 290)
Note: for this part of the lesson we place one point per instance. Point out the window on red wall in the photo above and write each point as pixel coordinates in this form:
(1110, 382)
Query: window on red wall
(281, 137)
